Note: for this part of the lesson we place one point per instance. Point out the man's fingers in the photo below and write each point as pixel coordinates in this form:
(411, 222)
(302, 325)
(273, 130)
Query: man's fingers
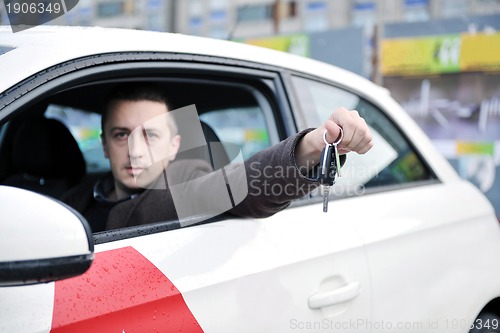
(348, 120)
(357, 136)
(362, 139)
(364, 145)
(366, 148)
(332, 132)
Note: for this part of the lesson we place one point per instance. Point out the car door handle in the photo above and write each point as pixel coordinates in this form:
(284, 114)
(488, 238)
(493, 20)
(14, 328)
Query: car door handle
(336, 296)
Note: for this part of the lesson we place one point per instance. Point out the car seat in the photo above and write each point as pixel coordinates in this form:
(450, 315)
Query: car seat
(45, 157)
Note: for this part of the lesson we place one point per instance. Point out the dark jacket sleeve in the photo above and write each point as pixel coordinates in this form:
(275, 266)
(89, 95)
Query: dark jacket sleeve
(274, 180)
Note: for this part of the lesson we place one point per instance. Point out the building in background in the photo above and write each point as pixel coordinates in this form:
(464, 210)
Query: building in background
(336, 22)
(251, 18)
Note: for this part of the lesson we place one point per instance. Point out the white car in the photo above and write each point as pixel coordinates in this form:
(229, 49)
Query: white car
(406, 244)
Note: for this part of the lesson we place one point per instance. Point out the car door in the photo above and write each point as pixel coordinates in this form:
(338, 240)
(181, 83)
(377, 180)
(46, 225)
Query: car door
(423, 238)
(300, 269)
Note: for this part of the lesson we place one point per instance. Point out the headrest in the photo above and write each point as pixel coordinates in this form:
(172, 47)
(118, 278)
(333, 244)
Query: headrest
(45, 148)
(213, 153)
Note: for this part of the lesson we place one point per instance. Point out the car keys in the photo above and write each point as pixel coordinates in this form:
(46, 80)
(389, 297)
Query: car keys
(329, 167)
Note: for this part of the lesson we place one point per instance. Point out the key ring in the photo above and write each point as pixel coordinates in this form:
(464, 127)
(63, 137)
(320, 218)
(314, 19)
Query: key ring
(336, 142)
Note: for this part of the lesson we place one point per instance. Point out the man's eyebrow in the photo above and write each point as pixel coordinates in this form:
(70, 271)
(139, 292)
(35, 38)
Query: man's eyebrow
(152, 129)
(116, 128)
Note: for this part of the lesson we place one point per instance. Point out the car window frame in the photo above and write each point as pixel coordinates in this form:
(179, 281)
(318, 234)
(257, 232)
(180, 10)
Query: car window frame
(313, 197)
(45, 82)
(87, 70)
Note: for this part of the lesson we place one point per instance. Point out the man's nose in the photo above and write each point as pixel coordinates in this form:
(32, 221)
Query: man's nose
(137, 147)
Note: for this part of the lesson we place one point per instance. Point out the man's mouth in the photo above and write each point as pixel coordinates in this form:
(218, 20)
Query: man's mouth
(134, 171)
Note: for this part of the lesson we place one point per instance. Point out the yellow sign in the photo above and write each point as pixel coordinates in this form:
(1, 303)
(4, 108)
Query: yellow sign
(479, 148)
(417, 56)
(441, 54)
(480, 52)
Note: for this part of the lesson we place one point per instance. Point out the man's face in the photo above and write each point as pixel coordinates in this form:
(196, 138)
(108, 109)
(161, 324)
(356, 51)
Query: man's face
(138, 143)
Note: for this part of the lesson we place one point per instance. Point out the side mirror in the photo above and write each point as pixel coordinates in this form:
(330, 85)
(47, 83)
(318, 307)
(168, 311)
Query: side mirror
(41, 239)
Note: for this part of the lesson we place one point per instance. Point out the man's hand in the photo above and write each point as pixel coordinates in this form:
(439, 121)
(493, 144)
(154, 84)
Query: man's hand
(357, 137)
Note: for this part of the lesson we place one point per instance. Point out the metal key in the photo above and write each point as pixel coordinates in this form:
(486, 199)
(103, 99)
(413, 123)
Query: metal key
(329, 167)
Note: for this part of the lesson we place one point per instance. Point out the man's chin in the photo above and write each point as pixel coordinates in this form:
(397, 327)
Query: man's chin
(132, 182)
(131, 185)
(144, 180)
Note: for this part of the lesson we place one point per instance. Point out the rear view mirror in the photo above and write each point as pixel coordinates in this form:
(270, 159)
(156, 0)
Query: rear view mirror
(41, 239)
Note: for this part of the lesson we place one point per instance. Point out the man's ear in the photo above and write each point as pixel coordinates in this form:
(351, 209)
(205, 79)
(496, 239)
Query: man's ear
(104, 146)
(174, 147)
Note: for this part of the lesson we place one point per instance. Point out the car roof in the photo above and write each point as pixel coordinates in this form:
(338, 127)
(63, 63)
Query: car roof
(27, 52)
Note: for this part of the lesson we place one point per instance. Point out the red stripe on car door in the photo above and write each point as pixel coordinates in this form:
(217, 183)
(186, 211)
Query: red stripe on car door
(121, 292)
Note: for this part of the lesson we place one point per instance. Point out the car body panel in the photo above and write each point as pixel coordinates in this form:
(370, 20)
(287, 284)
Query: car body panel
(244, 269)
(427, 246)
(27, 308)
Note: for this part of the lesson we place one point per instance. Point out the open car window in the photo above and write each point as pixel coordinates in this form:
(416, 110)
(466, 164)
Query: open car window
(391, 162)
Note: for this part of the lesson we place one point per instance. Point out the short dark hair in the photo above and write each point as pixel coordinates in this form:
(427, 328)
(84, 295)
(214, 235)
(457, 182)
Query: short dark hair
(133, 92)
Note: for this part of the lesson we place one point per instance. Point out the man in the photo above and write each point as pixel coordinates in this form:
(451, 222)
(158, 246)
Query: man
(148, 185)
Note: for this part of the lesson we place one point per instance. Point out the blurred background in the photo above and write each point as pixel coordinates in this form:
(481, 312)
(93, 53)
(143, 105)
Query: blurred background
(439, 58)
